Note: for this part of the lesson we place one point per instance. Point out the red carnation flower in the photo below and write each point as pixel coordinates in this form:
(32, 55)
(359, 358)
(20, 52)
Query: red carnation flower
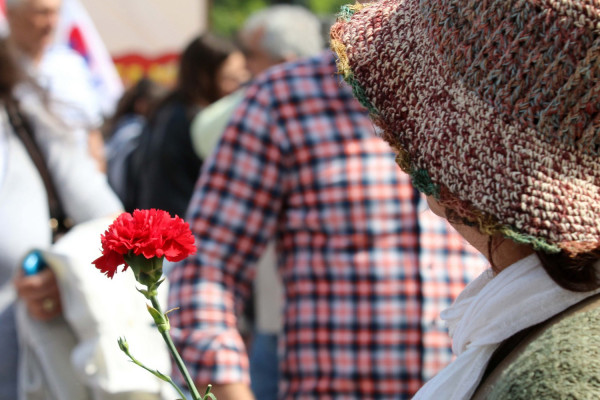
(142, 239)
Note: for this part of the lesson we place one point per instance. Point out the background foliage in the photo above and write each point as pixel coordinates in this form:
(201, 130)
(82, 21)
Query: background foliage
(228, 15)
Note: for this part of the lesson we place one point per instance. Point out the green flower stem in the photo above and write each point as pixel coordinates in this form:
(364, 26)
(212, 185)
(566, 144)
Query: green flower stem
(156, 373)
(175, 354)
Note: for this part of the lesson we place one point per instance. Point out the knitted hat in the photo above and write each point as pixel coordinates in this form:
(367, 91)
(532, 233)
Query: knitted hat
(492, 106)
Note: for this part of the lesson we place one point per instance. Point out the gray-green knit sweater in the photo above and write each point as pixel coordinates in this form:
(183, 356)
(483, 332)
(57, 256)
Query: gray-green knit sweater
(562, 363)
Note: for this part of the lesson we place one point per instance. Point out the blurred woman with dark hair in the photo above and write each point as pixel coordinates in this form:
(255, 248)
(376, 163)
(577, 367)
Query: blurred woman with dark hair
(164, 167)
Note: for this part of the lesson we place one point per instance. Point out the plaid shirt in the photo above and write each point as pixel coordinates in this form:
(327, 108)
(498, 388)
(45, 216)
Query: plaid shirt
(366, 268)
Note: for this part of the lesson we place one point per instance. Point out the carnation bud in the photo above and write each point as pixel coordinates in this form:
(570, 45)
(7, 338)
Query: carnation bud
(147, 271)
(123, 345)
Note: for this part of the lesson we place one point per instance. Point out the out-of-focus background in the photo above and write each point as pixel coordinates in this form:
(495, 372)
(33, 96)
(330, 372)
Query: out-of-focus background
(144, 37)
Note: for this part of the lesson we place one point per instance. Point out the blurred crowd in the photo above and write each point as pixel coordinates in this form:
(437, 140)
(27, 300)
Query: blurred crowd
(320, 272)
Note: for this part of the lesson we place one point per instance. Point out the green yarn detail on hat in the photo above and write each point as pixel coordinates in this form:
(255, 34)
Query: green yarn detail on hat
(360, 93)
(420, 177)
(487, 224)
(343, 63)
(347, 11)
(537, 243)
(422, 181)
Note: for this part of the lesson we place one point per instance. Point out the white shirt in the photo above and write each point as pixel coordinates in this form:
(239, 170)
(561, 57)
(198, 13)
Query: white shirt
(65, 76)
(83, 190)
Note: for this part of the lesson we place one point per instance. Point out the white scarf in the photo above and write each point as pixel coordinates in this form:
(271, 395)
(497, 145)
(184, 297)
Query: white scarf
(488, 311)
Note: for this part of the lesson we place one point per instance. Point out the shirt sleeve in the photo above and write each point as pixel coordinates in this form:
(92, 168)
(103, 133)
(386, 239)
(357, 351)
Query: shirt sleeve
(233, 214)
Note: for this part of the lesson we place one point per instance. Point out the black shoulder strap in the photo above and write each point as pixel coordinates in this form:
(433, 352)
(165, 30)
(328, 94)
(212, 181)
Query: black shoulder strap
(24, 132)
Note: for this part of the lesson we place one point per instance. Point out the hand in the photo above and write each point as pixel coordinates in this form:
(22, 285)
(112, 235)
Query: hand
(40, 293)
(229, 391)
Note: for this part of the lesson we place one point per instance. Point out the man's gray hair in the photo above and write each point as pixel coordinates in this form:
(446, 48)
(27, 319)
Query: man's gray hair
(288, 30)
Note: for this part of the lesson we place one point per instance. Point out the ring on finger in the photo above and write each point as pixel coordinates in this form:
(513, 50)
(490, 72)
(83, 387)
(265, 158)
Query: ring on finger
(48, 304)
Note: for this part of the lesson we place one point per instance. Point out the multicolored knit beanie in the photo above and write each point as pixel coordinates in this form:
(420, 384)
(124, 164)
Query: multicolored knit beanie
(492, 106)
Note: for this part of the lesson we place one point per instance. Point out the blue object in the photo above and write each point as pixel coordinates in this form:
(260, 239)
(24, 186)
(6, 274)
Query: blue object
(264, 366)
(34, 263)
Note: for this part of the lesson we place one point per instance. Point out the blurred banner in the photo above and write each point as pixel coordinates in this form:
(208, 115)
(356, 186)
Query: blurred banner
(142, 37)
(145, 37)
(78, 31)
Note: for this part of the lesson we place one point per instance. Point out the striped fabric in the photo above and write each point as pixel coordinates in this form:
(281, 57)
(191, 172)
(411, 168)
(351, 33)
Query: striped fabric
(366, 268)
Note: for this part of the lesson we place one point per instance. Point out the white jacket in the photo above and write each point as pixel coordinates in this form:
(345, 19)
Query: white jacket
(76, 357)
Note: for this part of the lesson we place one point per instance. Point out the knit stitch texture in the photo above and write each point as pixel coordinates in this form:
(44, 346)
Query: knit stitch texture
(492, 106)
(563, 363)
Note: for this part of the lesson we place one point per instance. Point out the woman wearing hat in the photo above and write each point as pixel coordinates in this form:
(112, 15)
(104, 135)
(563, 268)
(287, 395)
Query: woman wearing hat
(493, 108)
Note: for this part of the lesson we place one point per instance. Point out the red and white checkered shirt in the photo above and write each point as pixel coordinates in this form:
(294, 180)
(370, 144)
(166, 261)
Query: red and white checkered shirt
(366, 268)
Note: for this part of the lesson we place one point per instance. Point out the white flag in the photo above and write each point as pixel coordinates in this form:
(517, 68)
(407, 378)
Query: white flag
(77, 30)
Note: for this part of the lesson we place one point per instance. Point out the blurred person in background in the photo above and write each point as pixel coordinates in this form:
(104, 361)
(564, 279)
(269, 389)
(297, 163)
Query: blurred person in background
(269, 37)
(365, 265)
(41, 171)
(164, 166)
(61, 71)
(279, 34)
(123, 131)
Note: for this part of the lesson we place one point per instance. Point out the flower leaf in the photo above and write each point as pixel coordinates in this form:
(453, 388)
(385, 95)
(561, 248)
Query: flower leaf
(160, 319)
